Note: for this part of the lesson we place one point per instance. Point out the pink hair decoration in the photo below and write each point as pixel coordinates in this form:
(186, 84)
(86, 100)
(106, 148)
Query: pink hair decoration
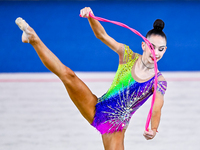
(153, 53)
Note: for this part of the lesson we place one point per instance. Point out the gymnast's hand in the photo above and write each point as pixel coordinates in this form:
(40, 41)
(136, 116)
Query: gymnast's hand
(149, 134)
(85, 12)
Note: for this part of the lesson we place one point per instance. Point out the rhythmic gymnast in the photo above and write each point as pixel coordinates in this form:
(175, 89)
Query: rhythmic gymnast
(131, 87)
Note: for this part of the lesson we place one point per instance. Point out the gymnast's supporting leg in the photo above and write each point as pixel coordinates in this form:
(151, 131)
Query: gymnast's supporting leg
(80, 94)
(114, 141)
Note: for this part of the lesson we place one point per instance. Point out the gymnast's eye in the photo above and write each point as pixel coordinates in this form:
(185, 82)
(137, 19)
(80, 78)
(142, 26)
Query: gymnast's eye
(161, 49)
(152, 47)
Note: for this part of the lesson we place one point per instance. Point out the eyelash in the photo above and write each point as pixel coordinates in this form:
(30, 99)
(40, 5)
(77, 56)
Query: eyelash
(158, 49)
(161, 49)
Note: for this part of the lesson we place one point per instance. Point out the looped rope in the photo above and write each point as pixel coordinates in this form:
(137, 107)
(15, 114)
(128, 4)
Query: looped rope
(153, 53)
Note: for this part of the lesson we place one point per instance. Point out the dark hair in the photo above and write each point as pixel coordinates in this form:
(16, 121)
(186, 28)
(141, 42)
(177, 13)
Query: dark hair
(158, 26)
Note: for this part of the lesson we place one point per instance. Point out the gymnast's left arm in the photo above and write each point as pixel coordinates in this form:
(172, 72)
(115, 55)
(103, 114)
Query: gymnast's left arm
(155, 118)
(158, 104)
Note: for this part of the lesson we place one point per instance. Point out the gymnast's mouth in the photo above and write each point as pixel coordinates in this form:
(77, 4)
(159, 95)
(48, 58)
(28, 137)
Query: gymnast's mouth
(153, 58)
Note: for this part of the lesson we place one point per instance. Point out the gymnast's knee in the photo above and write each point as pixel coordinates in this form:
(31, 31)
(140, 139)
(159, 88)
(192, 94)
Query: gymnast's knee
(67, 75)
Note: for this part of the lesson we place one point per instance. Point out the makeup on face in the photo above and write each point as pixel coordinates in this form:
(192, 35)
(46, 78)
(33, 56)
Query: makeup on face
(160, 48)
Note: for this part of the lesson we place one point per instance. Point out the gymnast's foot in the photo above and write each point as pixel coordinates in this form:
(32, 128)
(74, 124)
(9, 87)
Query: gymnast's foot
(28, 35)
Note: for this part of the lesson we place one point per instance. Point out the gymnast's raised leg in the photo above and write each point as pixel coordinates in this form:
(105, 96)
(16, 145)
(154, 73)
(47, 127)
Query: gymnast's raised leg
(80, 94)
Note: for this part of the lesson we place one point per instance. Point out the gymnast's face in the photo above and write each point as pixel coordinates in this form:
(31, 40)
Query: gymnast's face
(159, 44)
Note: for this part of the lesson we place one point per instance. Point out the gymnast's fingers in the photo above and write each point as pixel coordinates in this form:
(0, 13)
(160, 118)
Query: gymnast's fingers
(148, 137)
(85, 12)
(82, 13)
(148, 134)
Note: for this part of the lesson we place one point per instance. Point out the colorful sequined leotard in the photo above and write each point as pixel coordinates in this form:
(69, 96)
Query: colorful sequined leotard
(115, 108)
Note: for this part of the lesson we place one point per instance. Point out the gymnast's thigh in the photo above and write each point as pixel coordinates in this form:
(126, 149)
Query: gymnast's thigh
(114, 141)
(81, 96)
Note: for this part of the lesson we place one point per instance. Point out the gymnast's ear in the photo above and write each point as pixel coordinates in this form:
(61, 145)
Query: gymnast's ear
(143, 45)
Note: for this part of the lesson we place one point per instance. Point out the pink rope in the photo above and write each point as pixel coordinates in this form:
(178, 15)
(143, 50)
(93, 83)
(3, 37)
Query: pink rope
(153, 53)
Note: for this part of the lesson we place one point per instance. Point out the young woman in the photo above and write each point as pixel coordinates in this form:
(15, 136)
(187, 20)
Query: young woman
(131, 87)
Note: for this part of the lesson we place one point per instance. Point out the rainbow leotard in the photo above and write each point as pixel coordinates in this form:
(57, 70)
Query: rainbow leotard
(115, 108)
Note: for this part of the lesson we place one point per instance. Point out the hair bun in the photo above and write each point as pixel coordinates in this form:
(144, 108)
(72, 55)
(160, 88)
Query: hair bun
(158, 25)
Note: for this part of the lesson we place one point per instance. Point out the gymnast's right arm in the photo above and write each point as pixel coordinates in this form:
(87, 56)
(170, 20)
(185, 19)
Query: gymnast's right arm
(101, 34)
